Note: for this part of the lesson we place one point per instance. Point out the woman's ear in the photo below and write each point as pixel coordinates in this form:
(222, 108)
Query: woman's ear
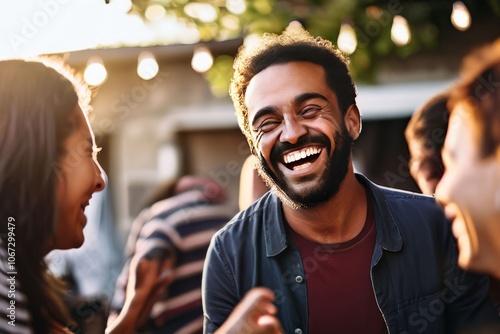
(352, 120)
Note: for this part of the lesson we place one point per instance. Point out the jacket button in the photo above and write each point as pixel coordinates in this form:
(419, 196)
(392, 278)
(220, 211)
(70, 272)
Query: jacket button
(298, 279)
(297, 331)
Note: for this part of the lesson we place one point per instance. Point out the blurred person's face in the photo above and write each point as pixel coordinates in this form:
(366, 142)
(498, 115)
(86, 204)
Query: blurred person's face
(425, 167)
(299, 133)
(78, 177)
(469, 193)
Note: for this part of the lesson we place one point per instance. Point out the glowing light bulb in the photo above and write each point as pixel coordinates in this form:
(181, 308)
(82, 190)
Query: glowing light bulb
(236, 7)
(95, 73)
(251, 40)
(400, 31)
(155, 12)
(205, 12)
(202, 59)
(460, 16)
(295, 25)
(347, 41)
(147, 66)
(121, 6)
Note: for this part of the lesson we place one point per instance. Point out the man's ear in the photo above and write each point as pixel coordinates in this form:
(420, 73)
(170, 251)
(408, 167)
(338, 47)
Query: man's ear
(352, 120)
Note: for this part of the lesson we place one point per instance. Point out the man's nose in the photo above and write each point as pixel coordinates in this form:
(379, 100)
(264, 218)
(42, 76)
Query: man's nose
(292, 130)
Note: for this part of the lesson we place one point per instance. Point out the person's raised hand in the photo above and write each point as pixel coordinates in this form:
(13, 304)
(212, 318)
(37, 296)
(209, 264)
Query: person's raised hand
(255, 313)
(148, 279)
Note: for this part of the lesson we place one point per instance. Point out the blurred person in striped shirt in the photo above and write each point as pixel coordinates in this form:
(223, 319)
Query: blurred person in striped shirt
(176, 226)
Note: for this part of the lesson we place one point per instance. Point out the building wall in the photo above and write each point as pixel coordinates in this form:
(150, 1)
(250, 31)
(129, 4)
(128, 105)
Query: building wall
(154, 131)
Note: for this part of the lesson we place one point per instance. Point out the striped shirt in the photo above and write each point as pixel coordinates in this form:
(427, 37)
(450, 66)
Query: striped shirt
(182, 227)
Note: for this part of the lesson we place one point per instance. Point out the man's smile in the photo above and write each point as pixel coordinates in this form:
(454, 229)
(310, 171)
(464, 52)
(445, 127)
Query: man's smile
(301, 158)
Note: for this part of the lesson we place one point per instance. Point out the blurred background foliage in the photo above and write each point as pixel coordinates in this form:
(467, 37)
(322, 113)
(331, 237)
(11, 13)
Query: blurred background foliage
(370, 21)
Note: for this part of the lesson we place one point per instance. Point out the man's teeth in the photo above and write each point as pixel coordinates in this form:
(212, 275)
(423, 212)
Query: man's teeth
(301, 166)
(297, 155)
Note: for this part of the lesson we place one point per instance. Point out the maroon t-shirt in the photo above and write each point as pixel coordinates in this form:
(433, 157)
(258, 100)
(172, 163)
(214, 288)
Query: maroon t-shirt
(339, 288)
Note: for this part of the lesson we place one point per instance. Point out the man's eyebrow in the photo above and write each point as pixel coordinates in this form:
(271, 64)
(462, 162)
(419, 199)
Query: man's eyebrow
(297, 101)
(308, 96)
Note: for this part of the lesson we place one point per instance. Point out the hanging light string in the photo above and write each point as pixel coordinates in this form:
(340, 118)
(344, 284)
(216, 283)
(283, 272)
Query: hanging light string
(147, 67)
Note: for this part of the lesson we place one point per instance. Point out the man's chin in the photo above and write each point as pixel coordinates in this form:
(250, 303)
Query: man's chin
(306, 192)
(302, 197)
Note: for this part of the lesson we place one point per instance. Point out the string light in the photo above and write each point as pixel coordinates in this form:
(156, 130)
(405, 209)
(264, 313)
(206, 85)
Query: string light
(95, 72)
(202, 59)
(147, 66)
(400, 31)
(347, 41)
(205, 12)
(460, 16)
(155, 12)
(236, 7)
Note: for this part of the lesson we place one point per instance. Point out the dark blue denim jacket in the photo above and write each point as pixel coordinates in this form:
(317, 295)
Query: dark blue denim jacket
(418, 286)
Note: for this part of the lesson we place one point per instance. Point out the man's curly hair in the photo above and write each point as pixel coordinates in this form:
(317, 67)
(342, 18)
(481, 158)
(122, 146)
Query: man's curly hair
(294, 44)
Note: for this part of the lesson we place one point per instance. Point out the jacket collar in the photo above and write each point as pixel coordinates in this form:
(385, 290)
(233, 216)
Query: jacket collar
(388, 235)
(274, 225)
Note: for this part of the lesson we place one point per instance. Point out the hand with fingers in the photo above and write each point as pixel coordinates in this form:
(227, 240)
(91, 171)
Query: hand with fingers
(148, 279)
(255, 313)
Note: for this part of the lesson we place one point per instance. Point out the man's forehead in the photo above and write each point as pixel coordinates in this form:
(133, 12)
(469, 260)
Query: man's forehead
(280, 84)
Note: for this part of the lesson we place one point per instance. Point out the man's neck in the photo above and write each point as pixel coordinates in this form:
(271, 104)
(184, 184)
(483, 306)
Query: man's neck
(337, 220)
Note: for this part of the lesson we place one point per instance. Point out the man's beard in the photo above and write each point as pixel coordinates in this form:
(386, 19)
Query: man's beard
(330, 181)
